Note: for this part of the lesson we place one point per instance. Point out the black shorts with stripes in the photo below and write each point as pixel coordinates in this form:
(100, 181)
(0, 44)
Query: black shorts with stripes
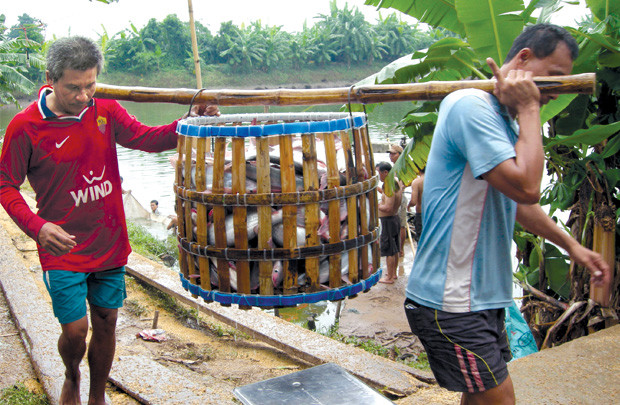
(467, 351)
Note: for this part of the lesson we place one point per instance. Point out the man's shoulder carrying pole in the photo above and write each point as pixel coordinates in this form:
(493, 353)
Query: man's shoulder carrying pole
(584, 83)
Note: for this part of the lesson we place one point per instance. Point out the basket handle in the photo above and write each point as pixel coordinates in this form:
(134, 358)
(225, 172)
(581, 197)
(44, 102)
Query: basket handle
(191, 103)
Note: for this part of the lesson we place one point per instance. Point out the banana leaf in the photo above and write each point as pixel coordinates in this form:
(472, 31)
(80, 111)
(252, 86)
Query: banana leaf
(409, 164)
(554, 107)
(590, 136)
(557, 270)
(491, 25)
(432, 12)
(604, 8)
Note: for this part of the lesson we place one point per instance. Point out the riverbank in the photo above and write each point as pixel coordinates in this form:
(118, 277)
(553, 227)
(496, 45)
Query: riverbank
(220, 77)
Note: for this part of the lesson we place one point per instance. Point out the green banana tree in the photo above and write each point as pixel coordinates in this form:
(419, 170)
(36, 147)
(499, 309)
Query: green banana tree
(581, 143)
(16, 55)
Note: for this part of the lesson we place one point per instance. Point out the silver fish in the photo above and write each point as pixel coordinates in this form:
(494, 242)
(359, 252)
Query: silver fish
(232, 268)
(324, 270)
(278, 235)
(251, 224)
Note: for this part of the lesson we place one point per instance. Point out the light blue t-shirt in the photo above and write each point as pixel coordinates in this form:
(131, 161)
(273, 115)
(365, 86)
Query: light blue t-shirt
(463, 261)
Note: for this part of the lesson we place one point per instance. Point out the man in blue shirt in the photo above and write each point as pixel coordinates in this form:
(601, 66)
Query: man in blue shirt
(484, 171)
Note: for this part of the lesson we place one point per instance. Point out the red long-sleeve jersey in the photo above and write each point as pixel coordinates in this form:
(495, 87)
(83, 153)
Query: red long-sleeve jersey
(72, 166)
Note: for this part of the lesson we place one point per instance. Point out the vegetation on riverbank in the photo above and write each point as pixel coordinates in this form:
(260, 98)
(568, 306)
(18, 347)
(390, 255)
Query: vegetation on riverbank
(147, 245)
(20, 395)
(220, 76)
(341, 46)
(419, 361)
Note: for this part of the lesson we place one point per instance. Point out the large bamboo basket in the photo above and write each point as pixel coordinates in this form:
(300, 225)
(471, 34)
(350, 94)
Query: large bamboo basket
(254, 234)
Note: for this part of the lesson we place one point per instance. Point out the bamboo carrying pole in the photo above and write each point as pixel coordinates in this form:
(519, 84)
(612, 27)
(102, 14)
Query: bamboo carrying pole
(582, 83)
(192, 30)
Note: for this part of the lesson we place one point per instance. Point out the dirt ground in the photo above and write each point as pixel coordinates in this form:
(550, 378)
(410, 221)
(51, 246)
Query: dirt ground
(207, 352)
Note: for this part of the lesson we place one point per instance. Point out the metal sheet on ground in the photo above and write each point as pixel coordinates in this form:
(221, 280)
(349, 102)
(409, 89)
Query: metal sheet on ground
(324, 384)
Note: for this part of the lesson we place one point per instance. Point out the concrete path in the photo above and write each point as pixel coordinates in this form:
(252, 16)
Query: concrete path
(35, 321)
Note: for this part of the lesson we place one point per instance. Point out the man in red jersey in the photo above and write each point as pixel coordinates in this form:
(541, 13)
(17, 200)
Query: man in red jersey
(65, 143)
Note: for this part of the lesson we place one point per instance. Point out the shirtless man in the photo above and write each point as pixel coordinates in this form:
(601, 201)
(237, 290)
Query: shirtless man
(394, 153)
(417, 186)
(390, 226)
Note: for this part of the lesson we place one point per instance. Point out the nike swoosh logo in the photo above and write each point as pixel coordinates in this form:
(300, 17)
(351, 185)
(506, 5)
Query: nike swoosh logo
(59, 145)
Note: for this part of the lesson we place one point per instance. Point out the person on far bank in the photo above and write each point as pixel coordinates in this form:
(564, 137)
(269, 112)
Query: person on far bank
(394, 152)
(65, 143)
(484, 170)
(390, 226)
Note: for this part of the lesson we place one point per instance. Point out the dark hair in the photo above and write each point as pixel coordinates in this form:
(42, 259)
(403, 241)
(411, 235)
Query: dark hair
(542, 39)
(155, 201)
(384, 166)
(76, 53)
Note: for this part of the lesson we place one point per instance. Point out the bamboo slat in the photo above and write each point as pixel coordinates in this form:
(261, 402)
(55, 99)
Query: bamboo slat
(604, 242)
(201, 213)
(311, 183)
(372, 199)
(240, 214)
(264, 214)
(302, 197)
(362, 200)
(582, 83)
(322, 250)
(188, 209)
(333, 210)
(351, 176)
(219, 213)
(289, 212)
(179, 208)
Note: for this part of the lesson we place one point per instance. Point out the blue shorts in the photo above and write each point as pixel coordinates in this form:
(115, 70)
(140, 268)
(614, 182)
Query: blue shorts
(70, 290)
(466, 351)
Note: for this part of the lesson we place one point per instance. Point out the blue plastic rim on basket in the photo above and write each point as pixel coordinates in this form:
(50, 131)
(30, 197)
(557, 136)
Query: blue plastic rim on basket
(277, 124)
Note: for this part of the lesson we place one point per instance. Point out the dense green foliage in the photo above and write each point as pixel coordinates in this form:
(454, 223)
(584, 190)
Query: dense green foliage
(341, 36)
(20, 61)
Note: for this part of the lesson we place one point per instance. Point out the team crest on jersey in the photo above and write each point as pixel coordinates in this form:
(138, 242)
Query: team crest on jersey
(101, 123)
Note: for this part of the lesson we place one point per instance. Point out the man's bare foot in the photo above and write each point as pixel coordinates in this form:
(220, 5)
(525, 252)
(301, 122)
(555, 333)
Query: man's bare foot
(70, 394)
(386, 280)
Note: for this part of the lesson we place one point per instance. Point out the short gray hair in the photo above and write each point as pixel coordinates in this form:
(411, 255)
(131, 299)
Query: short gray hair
(76, 53)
